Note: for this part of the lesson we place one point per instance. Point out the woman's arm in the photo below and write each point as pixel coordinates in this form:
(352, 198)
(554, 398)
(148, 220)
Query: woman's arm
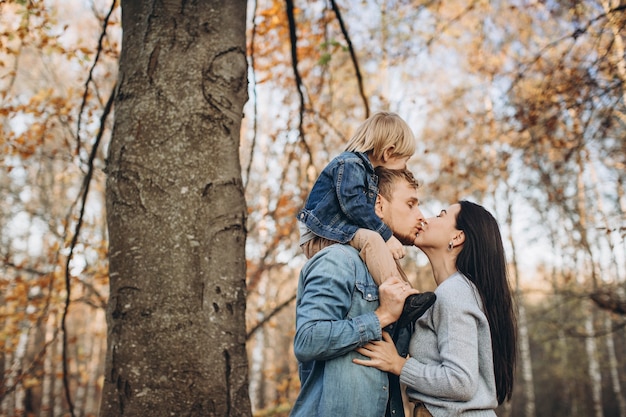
(456, 375)
(452, 372)
(382, 355)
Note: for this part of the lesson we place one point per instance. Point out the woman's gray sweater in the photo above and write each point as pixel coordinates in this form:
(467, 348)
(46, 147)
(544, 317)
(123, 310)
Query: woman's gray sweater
(450, 368)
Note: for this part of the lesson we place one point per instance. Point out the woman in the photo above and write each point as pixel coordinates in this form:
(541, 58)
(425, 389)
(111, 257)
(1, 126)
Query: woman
(462, 352)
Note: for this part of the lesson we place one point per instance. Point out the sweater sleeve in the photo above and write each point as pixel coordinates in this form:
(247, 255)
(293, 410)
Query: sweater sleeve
(455, 321)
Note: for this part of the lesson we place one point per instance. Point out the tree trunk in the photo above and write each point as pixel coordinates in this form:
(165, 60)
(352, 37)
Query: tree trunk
(593, 366)
(57, 383)
(567, 404)
(95, 366)
(611, 274)
(525, 359)
(48, 366)
(614, 366)
(257, 356)
(176, 214)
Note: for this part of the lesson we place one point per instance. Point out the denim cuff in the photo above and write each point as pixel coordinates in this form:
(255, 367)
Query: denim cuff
(369, 328)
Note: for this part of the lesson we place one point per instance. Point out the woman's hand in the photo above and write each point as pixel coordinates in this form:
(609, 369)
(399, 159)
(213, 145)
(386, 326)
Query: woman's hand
(382, 355)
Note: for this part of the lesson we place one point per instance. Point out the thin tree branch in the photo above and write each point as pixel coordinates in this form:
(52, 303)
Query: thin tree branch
(294, 63)
(575, 34)
(30, 369)
(270, 315)
(609, 300)
(29, 270)
(105, 23)
(355, 62)
(79, 223)
(254, 95)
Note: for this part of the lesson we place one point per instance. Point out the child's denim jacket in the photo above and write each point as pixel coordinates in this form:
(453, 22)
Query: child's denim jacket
(342, 200)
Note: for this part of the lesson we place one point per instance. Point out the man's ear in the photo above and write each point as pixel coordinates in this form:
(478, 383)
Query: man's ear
(378, 206)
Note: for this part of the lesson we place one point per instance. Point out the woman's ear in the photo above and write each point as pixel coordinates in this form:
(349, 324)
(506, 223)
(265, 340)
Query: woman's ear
(459, 239)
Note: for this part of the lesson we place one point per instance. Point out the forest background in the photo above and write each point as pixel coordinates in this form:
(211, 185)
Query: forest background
(517, 105)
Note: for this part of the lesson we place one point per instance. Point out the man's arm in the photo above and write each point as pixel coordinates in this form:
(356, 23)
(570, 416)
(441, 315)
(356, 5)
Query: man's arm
(328, 284)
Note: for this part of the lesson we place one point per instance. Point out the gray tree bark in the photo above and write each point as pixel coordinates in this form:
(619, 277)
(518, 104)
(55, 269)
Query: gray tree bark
(176, 213)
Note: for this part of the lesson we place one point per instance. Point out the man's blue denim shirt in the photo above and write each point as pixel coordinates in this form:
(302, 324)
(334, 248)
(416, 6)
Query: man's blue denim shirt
(342, 200)
(334, 315)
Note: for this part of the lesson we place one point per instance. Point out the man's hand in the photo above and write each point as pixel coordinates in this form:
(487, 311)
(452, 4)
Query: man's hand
(391, 295)
(396, 248)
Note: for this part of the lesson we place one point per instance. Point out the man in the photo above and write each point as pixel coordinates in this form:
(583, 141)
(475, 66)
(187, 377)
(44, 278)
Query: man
(339, 308)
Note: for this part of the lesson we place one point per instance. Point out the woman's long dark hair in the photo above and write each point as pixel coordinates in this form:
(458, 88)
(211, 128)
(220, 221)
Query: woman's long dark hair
(483, 262)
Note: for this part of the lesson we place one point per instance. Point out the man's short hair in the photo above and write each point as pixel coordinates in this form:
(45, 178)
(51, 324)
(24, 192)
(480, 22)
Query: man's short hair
(387, 178)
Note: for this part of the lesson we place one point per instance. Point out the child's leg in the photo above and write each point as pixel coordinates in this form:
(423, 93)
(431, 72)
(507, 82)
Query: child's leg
(374, 252)
(381, 264)
(401, 271)
(311, 247)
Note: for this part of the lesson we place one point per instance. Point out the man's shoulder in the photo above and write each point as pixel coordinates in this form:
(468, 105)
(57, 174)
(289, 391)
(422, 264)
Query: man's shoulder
(337, 257)
(338, 251)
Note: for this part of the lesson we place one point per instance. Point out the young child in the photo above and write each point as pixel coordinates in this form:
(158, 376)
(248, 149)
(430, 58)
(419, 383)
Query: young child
(340, 207)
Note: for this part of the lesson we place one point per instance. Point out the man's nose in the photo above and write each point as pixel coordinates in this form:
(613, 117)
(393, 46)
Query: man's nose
(420, 216)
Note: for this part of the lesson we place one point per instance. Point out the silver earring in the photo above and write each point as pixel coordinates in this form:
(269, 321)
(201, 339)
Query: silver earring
(450, 245)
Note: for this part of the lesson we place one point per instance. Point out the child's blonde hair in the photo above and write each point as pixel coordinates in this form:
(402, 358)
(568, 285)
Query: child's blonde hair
(380, 132)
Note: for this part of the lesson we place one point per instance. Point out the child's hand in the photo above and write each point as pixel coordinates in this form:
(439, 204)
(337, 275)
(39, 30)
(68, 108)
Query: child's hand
(397, 249)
